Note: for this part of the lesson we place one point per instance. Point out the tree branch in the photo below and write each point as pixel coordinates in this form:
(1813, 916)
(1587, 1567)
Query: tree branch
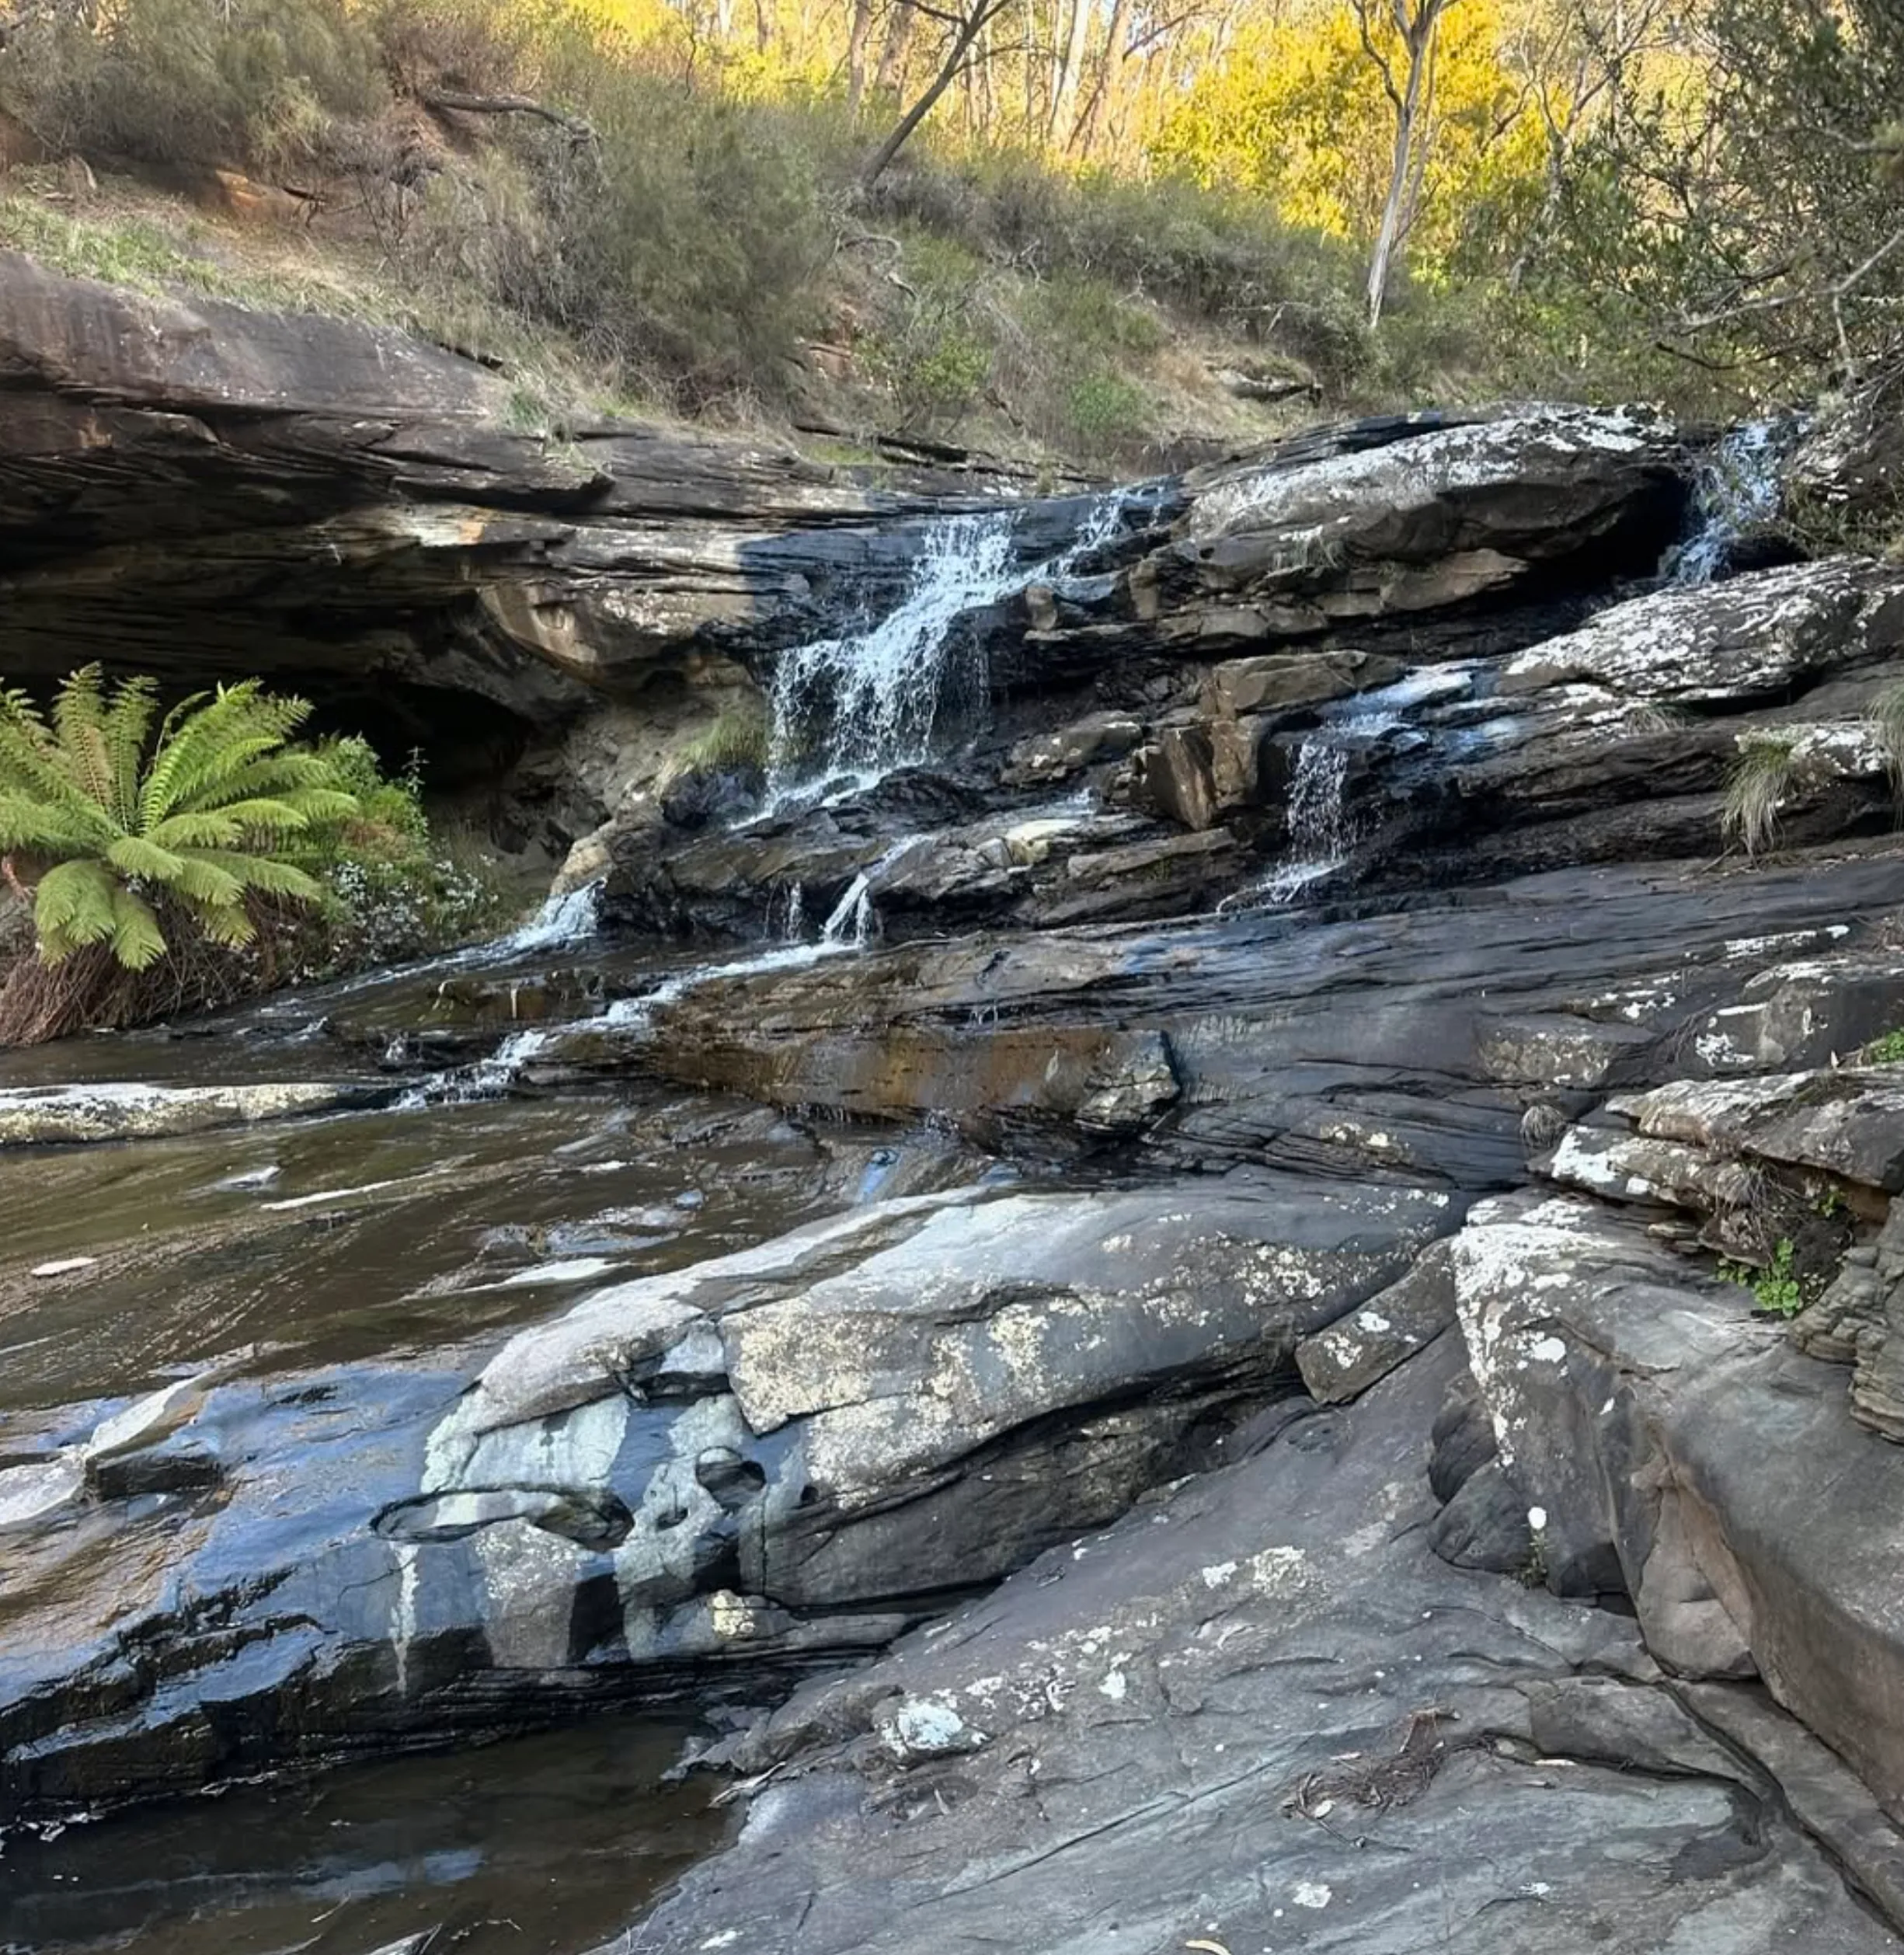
(457, 103)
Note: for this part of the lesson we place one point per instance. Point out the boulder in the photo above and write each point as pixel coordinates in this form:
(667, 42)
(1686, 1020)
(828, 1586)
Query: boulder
(693, 1482)
(1669, 1445)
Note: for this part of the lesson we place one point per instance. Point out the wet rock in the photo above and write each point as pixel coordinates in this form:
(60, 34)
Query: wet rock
(1260, 1713)
(1279, 681)
(1851, 462)
(694, 1481)
(1062, 754)
(1429, 515)
(1404, 1043)
(31, 1116)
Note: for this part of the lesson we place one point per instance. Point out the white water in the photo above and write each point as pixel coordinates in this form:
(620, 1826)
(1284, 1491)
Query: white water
(1737, 488)
(862, 704)
(1318, 826)
(563, 919)
(852, 920)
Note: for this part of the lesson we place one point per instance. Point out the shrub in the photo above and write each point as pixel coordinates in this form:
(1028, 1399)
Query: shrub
(681, 243)
(391, 888)
(207, 81)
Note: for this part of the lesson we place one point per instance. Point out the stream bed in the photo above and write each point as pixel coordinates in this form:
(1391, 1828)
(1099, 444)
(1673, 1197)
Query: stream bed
(540, 1846)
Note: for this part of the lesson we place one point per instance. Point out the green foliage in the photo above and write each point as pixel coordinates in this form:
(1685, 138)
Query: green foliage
(1777, 1289)
(113, 825)
(738, 737)
(1105, 410)
(1886, 1051)
(392, 887)
(1757, 784)
(1222, 257)
(681, 245)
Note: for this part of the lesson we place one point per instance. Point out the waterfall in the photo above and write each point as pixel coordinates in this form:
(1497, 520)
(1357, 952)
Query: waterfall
(1737, 489)
(562, 919)
(1319, 838)
(852, 919)
(874, 699)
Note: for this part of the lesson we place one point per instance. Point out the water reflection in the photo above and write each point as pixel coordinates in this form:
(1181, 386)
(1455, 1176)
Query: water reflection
(543, 1845)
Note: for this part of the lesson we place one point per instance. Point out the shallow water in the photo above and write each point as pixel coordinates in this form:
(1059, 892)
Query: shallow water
(464, 1205)
(334, 1239)
(543, 1845)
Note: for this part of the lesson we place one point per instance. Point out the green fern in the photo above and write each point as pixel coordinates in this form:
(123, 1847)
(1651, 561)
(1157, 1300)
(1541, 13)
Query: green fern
(114, 825)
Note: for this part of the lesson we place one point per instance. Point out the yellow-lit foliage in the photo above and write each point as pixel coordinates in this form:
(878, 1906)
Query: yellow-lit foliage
(1296, 110)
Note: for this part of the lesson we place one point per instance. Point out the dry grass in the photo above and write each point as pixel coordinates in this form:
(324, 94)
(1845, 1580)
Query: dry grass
(1757, 786)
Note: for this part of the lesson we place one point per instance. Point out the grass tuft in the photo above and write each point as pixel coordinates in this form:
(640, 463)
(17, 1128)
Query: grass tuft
(1759, 780)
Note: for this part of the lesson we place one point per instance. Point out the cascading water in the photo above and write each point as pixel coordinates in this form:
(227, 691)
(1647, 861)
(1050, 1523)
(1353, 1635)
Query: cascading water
(852, 919)
(1321, 835)
(567, 919)
(1318, 825)
(860, 704)
(1737, 489)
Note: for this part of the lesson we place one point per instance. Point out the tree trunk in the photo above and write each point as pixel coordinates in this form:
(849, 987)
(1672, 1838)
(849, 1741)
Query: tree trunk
(1070, 63)
(1085, 131)
(1418, 37)
(970, 27)
(858, 34)
(893, 53)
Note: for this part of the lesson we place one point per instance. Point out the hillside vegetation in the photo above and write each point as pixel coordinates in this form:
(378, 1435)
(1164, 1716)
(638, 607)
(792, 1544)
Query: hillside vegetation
(1078, 229)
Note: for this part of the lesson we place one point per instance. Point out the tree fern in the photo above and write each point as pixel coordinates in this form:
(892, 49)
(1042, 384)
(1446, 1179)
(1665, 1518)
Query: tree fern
(112, 826)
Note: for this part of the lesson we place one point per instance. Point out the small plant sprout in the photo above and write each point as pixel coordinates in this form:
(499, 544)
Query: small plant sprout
(1777, 1289)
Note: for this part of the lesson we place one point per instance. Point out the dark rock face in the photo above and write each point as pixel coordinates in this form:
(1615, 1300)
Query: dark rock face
(1260, 1713)
(310, 496)
(1409, 1043)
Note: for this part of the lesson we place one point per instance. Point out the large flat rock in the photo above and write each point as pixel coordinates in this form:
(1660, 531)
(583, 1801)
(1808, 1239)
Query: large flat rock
(1406, 1044)
(1260, 1714)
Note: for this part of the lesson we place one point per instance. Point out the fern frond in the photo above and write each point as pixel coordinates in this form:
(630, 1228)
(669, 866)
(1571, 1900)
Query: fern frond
(266, 820)
(259, 729)
(128, 721)
(73, 906)
(267, 874)
(40, 827)
(29, 753)
(273, 776)
(79, 724)
(134, 856)
(223, 923)
(206, 880)
(137, 941)
(190, 744)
